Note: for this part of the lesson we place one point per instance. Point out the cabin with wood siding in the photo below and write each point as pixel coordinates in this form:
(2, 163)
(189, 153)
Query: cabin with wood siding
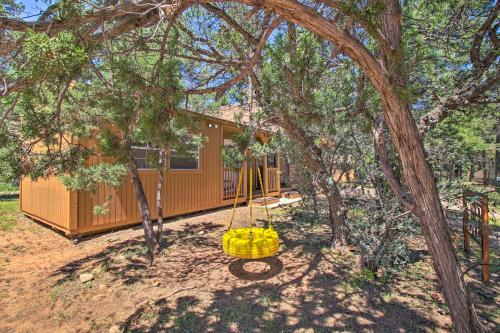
(190, 186)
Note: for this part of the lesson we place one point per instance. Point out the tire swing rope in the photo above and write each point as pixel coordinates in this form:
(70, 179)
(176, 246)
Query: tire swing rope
(252, 242)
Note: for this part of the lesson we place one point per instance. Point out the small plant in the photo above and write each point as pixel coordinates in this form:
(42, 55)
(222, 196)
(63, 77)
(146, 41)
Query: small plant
(55, 293)
(367, 275)
(104, 266)
(187, 322)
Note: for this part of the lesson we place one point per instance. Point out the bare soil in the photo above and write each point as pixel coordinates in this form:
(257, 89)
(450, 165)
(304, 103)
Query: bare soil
(194, 287)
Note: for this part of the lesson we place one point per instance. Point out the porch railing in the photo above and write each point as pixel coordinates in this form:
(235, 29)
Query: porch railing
(272, 179)
(230, 178)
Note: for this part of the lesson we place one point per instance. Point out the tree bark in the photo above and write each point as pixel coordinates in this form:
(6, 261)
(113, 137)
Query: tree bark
(152, 243)
(313, 161)
(337, 218)
(420, 179)
(497, 150)
(159, 194)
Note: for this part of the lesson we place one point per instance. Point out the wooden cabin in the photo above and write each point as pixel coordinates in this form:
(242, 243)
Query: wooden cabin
(191, 185)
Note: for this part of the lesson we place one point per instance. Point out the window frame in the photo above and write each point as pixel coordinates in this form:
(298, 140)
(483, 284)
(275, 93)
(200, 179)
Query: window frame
(275, 160)
(198, 168)
(147, 147)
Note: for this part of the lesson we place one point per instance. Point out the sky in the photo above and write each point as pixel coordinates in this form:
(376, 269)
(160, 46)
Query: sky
(33, 7)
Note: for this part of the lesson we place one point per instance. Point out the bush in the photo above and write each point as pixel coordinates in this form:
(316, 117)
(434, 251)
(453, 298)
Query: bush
(381, 239)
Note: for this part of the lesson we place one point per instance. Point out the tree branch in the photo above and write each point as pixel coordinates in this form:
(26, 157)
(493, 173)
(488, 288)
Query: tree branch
(245, 71)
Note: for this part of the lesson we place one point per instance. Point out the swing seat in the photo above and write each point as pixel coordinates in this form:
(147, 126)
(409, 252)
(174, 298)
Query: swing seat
(250, 243)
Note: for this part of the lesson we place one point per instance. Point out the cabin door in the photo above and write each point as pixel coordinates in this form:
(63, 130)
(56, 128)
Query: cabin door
(256, 188)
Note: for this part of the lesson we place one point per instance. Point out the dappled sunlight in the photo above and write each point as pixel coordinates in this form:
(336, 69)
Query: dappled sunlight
(192, 286)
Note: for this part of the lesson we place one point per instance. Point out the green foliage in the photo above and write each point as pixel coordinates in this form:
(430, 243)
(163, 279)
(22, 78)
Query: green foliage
(365, 228)
(369, 14)
(69, 9)
(90, 177)
(9, 163)
(234, 155)
(56, 58)
(8, 216)
(8, 187)
(10, 7)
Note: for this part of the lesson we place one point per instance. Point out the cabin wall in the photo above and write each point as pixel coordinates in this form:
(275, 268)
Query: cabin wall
(47, 200)
(185, 191)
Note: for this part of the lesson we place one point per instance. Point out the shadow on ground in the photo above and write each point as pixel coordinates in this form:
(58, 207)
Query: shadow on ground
(305, 287)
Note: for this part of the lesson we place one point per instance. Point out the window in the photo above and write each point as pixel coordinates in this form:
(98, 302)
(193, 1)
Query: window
(188, 161)
(143, 155)
(146, 155)
(271, 161)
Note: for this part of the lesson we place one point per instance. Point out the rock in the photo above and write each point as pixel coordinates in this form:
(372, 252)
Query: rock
(116, 329)
(155, 283)
(85, 277)
(201, 232)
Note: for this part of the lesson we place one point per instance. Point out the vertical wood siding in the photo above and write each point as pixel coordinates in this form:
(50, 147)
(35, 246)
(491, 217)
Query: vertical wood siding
(47, 200)
(185, 191)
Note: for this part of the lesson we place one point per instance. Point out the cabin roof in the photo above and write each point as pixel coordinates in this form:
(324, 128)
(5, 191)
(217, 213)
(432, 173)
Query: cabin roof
(233, 112)
(230, 113)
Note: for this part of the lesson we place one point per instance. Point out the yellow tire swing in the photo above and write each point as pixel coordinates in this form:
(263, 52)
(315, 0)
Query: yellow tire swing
(252, 242)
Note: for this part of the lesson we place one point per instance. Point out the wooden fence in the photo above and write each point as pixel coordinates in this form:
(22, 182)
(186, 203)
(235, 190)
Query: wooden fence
(475, 227)
(231, 178)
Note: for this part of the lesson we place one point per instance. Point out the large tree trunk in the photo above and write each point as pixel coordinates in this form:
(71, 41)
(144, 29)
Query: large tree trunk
(406, 139)
(152, 243)
(422, 186)
(420, 179)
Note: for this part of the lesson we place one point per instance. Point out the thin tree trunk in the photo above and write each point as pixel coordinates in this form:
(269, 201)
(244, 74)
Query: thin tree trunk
(420, 180)
(337, 218)
(472, 170)
(497, 150)
(322, 178)
(314, 197)
(159, 194)
(153, 246)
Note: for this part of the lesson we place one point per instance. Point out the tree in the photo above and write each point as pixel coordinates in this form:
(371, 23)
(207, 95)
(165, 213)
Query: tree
(111, 97)
(297, 106)
(382, 60)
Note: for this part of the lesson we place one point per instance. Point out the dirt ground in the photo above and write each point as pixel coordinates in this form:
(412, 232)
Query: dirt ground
(194, 287)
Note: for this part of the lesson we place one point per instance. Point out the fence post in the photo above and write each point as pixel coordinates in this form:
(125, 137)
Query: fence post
(485, 239)
(465, 224)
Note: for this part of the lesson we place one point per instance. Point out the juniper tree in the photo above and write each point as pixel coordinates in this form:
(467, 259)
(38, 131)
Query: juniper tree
(73, 96)
(380, 57)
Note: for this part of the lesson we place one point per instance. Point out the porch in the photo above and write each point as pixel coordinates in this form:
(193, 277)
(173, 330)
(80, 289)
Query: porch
(269, 169)
(270, 181)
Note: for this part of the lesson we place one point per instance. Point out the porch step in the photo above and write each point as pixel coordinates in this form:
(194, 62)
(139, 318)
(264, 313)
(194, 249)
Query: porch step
(269, 201)
(291, 194)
